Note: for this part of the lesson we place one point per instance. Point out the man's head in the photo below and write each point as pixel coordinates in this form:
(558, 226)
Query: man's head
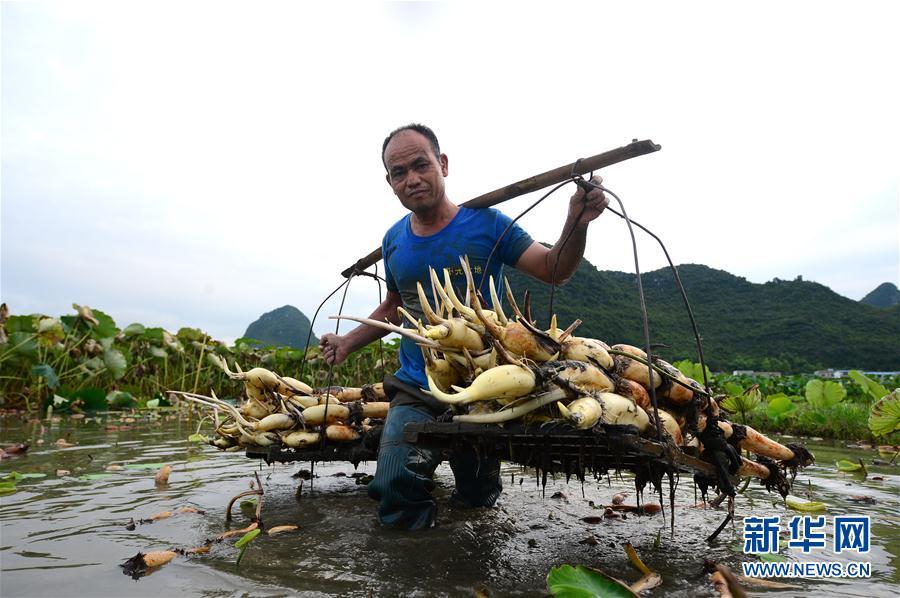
(415, 168)
(422, 130)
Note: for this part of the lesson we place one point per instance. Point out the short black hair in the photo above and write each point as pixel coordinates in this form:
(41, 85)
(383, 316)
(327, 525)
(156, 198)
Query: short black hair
(418, 128)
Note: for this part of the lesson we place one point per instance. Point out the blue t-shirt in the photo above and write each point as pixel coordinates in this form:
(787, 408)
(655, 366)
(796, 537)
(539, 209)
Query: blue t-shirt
(407, 256)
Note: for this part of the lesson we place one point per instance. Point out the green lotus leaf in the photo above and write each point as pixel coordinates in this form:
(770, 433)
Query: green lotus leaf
(15, 476)
(744, 402)
(26, 344)
(875, 390)
(823, 394)
(845, 465)
(692, 370)
(8, 487)
(153, 404)
(566, 581)
(247, 538)
(115, 361)
(46, 372)
(198, 438)
(22, 324)
(733, 389)
(244, 542)
(91, 398)
(106, 327)
(134, 329)
(780, 405)
(807, 506)
(884, 418)
(119, 399)
(153, 335)
(191, 334)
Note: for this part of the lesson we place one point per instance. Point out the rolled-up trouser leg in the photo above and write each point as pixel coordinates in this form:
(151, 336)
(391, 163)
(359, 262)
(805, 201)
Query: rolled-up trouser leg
(403, 477)
(477, 477)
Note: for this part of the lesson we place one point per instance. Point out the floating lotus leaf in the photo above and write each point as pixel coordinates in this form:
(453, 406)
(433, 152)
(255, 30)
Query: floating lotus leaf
(848, 466)
(807, 506)
(566, 581)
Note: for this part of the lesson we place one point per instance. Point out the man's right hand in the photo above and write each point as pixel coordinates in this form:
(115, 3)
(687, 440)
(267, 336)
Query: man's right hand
(334, 348)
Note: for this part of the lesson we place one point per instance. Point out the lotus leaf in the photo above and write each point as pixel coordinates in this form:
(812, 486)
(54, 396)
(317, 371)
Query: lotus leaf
(845, 465)
(191, 334)
(807, 506)
(25, 344)
(874, 389)
(566, 581)
(884, 418)
(116, 362)
(106, 327)
(15, 476)
(779, 406)
(822, 394)
(244, 542)
(47, 373)
(119, 399)
(135, 329)
(692, 370)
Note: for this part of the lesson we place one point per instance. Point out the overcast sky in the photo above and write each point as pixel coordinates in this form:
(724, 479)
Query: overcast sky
(181, 164)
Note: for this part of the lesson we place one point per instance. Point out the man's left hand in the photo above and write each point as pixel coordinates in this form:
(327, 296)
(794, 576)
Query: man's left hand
(593, 203)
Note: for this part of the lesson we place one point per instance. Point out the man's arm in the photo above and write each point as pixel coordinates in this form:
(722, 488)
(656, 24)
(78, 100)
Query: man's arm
(336, 348)
(538, 261)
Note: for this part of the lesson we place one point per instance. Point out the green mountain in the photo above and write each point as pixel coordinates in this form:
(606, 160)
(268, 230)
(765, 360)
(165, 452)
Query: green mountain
(885, 295)
(282, 327)
(788, 326)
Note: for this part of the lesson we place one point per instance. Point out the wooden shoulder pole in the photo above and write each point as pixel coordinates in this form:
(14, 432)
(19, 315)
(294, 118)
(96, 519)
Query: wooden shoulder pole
(535, 183)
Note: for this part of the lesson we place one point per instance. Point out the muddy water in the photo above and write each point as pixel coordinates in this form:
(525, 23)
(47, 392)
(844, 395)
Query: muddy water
(65, 535)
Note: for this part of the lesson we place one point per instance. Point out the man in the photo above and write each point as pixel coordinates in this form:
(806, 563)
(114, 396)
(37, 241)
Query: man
(435, 233)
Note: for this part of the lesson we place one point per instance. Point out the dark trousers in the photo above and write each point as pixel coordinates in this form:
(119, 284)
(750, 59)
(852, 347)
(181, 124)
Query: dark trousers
(403, 483)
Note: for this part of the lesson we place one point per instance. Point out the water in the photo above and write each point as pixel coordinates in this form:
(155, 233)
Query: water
(65, 536)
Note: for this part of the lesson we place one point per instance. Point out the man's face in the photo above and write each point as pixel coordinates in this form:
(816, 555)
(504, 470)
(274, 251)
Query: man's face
(414, 173)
